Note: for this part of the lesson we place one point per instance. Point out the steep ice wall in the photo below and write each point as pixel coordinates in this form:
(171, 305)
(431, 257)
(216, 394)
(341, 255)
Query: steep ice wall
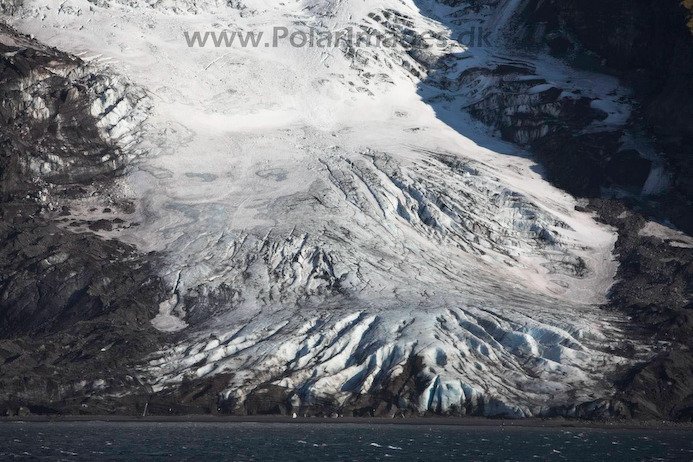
(477, 359)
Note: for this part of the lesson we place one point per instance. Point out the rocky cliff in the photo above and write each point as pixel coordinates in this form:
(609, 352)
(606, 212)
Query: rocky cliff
(73, 305)
(648, 46)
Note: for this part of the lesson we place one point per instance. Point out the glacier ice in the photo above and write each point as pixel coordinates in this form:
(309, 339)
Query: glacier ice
(321, 227)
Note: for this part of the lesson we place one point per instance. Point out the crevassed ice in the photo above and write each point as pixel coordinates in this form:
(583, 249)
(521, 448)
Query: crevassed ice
(321, 225)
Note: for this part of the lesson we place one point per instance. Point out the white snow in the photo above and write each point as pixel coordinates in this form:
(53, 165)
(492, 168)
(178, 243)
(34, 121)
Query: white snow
(165, 321)
(668, 233)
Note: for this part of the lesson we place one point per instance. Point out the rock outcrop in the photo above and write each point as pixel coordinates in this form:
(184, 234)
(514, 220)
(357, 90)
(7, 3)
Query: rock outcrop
(74, 306)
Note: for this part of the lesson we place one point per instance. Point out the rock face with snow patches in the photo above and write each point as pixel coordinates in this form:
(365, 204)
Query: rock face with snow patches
(350, 230)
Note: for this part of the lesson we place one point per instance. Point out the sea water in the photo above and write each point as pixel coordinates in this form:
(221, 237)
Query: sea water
(171, 441)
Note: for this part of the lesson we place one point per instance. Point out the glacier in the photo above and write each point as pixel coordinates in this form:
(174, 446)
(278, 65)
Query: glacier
(334, 224)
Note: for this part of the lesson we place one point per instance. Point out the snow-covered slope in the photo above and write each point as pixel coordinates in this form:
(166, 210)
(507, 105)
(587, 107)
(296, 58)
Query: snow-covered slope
(324, 228)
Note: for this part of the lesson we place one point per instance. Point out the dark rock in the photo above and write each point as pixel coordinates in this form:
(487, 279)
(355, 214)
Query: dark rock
(628, 168)
(649, 45)
(661, 388)
(559, 46)
(654, 287)
(268, 399)
(74, 308)
(101, 225)
(577, 162)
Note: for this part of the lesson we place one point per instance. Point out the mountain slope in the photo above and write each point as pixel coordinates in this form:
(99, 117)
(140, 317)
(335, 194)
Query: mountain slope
(340, 230)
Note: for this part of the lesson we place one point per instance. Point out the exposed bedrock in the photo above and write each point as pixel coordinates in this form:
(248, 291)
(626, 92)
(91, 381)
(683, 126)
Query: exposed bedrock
(575, 120)
(654, 287)
(646, 44)
(76, 121)
(522, 105)
(74, 307)
(649, 46)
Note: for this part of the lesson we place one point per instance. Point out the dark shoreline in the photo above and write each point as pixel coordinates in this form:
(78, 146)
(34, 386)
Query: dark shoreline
(420, 421)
